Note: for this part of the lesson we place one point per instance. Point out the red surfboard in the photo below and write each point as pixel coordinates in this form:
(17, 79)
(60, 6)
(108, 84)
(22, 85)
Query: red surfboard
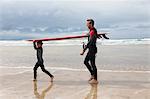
(69, 37)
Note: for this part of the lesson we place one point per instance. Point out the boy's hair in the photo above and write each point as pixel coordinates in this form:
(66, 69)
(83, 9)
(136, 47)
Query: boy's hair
(39, 42)
(91, 21)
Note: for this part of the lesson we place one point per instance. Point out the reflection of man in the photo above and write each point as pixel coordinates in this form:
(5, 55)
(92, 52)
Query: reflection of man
(38, 96)
(93, 92)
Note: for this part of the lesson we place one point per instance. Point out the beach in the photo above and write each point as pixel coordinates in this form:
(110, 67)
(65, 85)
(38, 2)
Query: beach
(123, 73)
(119, 28)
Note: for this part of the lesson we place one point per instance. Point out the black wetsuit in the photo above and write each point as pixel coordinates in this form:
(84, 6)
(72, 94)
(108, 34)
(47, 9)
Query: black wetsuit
(91, 55)
(39, 61)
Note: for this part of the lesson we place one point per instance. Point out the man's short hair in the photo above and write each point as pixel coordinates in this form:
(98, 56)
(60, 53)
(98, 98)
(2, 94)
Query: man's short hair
(91, 21)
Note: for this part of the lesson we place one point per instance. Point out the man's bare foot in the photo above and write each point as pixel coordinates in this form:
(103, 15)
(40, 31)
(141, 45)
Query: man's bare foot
(92, 77)
(34, 80)
(93, 81)
(52, 78)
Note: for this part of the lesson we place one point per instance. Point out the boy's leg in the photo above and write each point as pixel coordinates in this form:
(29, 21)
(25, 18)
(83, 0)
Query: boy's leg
(35, 70)
(45, 71)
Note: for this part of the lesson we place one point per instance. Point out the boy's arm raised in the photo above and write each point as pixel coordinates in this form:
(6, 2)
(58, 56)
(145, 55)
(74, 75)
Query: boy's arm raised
(34, 45)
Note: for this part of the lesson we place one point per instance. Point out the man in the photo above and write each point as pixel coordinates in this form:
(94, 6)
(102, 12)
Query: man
(40, 61)
(92, 50)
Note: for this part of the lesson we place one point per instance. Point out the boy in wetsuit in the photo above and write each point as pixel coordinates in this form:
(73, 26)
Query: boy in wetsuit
(40, 61)
(91, 45)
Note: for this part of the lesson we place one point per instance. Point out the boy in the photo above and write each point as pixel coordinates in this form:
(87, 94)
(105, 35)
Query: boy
(40, 61)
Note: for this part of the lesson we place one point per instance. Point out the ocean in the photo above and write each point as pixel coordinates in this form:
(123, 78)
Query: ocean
(77, 42)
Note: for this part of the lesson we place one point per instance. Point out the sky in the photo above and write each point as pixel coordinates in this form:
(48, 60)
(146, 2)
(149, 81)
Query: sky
(123, 19)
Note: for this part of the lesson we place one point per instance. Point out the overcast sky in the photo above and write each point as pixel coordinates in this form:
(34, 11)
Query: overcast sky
(123, 18)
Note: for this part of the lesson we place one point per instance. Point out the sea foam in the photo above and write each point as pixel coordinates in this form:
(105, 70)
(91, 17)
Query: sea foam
(77, 42)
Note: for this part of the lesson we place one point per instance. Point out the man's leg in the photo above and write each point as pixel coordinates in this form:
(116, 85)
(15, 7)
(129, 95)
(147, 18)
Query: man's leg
(92, 60)
(45, 71)
(35, 70)
(86, 62)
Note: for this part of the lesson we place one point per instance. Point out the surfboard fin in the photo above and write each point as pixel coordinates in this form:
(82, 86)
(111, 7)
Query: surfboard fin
(104, 36)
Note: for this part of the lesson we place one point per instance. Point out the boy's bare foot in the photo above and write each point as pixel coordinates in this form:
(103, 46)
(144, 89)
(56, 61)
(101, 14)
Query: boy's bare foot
(92, 77)
(93, 81)
(52, 78)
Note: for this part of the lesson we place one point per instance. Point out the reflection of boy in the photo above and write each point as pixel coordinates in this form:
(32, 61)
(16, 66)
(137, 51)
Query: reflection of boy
(42, 95)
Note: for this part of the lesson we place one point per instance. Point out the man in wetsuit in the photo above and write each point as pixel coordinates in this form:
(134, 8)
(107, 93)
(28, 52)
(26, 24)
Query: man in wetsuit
(92, 50)
(40, 61)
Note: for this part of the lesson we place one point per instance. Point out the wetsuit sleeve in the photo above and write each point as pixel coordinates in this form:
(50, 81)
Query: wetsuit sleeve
(92, 33)
(91, 40)
(34, 45)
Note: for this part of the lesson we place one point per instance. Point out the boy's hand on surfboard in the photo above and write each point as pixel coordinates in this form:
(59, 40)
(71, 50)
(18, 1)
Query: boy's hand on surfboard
(34, 40)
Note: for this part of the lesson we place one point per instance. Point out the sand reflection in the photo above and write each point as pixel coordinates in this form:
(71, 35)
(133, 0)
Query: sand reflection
(43, 93)
(93, 92)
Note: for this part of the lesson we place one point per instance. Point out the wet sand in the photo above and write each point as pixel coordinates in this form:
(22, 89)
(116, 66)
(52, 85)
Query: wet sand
(74, 85)
(112, 57)
(123, 73)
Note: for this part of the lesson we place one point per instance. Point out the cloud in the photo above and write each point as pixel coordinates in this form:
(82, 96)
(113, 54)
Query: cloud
(116, 16)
